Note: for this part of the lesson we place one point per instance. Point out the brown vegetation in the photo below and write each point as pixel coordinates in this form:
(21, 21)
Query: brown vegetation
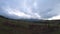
(24, 27)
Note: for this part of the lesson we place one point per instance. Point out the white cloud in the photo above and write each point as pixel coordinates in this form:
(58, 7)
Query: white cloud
(18, 13)
(55, 18)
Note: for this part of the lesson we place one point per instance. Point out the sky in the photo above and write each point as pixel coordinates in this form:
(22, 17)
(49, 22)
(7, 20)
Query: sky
(30, 9)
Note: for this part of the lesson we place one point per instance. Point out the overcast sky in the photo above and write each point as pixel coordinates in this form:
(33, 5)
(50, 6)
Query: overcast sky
(26, 9)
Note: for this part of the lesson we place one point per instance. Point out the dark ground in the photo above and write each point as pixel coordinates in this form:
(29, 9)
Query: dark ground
(24, 27)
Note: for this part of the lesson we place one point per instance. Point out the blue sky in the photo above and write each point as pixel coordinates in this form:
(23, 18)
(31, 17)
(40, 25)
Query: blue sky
(27, 9)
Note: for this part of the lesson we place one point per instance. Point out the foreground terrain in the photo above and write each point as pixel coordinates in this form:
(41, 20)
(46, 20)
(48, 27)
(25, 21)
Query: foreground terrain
(8, 26)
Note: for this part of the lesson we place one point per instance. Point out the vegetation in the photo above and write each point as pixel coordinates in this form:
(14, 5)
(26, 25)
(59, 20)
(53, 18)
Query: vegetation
(9, 26)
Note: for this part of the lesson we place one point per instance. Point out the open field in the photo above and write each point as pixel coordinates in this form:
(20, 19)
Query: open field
(24, 27)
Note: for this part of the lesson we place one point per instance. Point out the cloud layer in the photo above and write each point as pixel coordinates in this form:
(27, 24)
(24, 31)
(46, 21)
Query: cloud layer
(30, 9)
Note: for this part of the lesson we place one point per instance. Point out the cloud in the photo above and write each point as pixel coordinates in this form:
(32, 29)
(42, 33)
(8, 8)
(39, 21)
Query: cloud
(27, 9)
(55, 18)
(17, 14)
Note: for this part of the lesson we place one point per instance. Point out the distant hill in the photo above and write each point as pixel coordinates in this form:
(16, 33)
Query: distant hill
(32, 20)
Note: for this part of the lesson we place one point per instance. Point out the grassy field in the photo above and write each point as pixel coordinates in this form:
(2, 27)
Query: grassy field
(22, 27)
